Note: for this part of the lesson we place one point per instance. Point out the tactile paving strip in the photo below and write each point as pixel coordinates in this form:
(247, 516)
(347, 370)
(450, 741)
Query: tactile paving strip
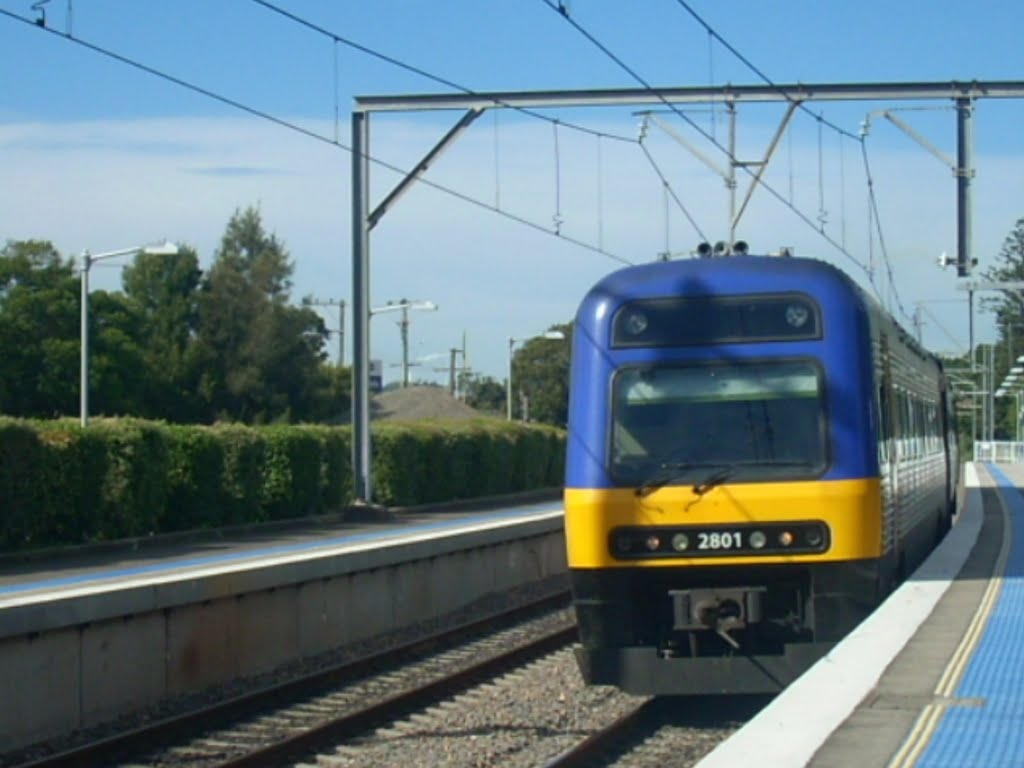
(988, 730)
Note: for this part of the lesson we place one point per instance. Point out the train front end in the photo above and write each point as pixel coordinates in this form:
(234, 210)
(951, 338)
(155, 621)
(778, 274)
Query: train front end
(723, 504)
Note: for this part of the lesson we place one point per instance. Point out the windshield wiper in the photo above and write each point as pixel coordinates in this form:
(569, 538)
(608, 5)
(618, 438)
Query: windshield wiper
(714, 479)
(671, 470)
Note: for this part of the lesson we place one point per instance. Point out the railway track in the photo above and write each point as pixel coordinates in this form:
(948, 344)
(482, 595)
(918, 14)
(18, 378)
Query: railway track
(500, 692)
(657, 732)
(283, 722)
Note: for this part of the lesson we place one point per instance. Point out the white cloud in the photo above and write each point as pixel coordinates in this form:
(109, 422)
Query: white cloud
(110, 184)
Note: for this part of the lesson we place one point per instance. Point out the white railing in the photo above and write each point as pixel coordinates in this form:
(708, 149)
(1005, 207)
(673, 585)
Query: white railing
(1006, 451)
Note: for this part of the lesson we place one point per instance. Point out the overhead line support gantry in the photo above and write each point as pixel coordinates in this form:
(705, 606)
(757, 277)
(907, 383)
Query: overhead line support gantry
(964, 94)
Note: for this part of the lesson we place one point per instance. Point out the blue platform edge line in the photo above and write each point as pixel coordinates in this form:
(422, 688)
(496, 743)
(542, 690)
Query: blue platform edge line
(271, 551)
(988, 732)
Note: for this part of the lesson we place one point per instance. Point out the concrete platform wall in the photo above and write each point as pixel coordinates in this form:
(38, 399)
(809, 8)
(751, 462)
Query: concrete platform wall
(64, 675)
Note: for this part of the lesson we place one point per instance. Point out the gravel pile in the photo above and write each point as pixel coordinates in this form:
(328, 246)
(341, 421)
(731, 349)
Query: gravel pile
(416, 403)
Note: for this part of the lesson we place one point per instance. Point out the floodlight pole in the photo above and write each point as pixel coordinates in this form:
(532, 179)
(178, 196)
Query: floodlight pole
(166, 249)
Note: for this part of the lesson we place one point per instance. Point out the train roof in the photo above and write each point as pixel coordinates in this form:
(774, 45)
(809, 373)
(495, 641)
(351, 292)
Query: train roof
(739, 275)
(725, 274)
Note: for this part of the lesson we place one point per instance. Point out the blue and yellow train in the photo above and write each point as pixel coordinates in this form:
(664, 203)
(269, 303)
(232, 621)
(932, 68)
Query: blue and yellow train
(757, 454)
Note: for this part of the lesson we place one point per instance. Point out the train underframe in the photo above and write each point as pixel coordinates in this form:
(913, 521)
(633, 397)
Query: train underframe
(716, 629)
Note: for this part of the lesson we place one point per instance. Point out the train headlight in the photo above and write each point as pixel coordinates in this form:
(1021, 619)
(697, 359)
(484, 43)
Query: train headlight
(786, 538)
(652, 543)
(635, 323)
(680, 542)
(757, 540)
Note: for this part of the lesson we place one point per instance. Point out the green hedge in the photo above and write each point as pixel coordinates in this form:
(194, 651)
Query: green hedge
(424, 462)
(61, 484)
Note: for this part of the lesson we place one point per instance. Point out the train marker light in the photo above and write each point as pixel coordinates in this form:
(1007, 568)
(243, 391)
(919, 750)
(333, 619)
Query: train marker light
(814, 537)
(758, 540)
(680, 542)
(797, 315)
(785, 538)
(636, 323)
(652, 543)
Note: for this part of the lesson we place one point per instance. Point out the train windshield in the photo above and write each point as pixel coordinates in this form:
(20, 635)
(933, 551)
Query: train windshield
(757, 420)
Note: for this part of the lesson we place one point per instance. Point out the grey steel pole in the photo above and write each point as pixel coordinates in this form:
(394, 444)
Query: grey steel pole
(731, 181)
(361, 471)
(83, 361)
(964, 173)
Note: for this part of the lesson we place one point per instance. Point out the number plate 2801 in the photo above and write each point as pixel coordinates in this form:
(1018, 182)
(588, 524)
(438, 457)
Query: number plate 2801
(715, 540)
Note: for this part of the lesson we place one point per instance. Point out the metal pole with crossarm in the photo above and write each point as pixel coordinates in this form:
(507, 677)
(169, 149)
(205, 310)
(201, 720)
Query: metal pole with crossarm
(163, 249)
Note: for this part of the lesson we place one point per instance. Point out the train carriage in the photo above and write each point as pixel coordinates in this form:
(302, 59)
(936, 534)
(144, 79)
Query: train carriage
(757, 454)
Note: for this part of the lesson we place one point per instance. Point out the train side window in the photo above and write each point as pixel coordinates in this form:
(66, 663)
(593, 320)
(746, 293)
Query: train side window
(930, 427)
(915, 408)
(919, 425)
(901, 425)
(884, 422)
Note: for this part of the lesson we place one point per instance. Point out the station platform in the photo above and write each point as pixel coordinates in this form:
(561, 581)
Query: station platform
(935, 677)
(42, 590)
(92, 635)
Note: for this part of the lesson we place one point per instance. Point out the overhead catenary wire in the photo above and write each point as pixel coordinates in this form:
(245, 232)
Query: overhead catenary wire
(668, 188)
(822, 211)
(940, 326)
(657, 94)
(842, 192)
(557, 218)
(311, 134)
(753, 68)
(425, 74)
(337, 95)
(873, 202)
(843, 133)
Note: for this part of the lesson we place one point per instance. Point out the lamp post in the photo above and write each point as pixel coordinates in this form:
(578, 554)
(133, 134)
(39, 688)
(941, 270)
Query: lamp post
(405, 305)
(163, 249)
(508, 382)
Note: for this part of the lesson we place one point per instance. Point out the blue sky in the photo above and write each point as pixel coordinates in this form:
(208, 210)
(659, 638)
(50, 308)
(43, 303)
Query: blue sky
(98, 155)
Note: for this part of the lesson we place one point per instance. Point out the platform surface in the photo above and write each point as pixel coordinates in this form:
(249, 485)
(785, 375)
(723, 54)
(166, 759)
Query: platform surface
(935, 677)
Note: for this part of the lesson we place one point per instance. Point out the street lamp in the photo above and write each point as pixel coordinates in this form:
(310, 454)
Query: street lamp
(508, 382)
(405, 305)
(163, 249)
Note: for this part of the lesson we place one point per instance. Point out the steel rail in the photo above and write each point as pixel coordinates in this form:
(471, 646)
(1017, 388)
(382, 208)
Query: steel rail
(164, 733)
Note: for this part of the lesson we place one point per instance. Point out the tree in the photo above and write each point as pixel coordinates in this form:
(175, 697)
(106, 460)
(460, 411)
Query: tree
(1009, 311)
(258, 357)
(540, 372)
(165, 290)
(484, 394)
(332, 395)
(118, 373)
(39, 330)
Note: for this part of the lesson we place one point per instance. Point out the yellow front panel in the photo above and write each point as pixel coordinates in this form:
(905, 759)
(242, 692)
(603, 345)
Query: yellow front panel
(852, 509)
